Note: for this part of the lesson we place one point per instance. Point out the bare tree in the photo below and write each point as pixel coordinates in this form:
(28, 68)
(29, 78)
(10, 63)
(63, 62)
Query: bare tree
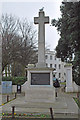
(18, 41)
(28, 36)
(8, 32)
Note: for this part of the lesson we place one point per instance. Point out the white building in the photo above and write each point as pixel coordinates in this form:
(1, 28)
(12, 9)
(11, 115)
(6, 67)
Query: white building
(54, 62)
(7, 71)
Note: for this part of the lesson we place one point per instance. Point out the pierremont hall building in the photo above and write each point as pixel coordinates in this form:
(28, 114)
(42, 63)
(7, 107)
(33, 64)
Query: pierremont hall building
(53, 62)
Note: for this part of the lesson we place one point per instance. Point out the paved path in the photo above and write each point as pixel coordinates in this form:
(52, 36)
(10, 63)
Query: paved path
(64, 104)
(4, 97)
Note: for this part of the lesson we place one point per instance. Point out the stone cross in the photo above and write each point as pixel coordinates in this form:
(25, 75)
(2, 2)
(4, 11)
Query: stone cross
(41, 20)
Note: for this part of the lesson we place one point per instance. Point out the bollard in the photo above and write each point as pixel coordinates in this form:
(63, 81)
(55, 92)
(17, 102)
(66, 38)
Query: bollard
(77, 95)
(13, 108)
(7, 98)
(56, 94)
(15, 95)
(51, 112)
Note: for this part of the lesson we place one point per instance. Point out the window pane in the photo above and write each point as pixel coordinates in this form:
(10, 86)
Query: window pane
(51, 57)
(59, 66)
(55, 66)
(59, 75)
(51, 65)
(46, 65)
(46, 57)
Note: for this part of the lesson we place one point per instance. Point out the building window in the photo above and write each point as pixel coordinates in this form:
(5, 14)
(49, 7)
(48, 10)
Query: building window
(50, 65)
(55, 66)
(59, 59)
(59, 75)
(50, 57)
(64, 74)
(46, 65)
(46, 57)
(55, 58)
(59, 66)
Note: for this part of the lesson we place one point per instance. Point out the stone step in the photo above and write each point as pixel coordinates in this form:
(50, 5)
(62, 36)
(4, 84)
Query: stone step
(20, 94)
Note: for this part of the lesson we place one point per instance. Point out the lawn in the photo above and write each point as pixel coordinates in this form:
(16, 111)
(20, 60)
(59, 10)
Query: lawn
(77, 101)
(63, 83)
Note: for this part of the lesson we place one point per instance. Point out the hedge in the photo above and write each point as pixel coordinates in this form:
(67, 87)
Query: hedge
(15, 80)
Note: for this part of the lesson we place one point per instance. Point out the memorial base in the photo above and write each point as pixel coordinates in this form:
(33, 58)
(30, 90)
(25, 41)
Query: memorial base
(40, 94)
(69, 89)
(39, 87)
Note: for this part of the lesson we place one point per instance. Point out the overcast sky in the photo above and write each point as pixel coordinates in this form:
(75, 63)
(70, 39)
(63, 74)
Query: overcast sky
(30, 10)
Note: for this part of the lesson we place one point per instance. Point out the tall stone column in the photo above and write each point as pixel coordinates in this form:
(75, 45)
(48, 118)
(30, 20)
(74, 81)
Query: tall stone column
(41, 21)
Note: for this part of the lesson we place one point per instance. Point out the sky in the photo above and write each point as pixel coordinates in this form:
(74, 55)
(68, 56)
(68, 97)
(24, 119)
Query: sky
(29, 9)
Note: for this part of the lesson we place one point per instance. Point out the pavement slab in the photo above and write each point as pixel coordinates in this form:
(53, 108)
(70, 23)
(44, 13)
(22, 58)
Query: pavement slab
(64, 104)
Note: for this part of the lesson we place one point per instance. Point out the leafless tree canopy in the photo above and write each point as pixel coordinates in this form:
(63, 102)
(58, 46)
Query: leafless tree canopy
(18, 41)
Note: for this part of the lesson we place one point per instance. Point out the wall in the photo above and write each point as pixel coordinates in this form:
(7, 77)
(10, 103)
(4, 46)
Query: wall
(23, 87)
(76, 88)
(14, 88)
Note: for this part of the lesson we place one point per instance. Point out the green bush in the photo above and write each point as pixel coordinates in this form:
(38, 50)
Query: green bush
(6, 78)
(77, 101)
(15, 80)
(77, 81)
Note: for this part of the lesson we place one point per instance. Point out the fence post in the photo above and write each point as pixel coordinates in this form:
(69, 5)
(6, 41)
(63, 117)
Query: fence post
(77, 95)
(13, 108)
(7, 98)
(51, 112)
(15, 95)
(56, 94)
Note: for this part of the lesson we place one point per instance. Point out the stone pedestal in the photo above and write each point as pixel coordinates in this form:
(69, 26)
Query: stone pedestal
(69, 89)
(40, 91)
(69, 85)
(39, 87)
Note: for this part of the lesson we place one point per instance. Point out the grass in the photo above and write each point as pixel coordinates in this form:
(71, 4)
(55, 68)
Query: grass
(77, 101)
(63, 83)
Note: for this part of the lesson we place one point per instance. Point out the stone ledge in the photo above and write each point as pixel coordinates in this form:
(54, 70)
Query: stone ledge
(35, 68)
